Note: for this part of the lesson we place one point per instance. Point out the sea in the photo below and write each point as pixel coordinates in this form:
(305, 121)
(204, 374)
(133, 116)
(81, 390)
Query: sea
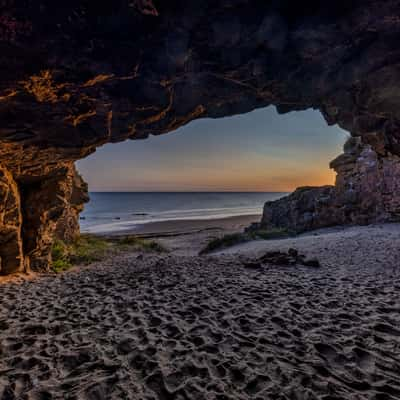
(121, 211)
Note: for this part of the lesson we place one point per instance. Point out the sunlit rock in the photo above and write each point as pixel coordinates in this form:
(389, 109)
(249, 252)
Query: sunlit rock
(367, 190)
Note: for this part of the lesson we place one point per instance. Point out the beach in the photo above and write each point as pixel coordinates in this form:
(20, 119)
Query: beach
(179, 326)
(200, 200)
(188, 237)
(138, 212)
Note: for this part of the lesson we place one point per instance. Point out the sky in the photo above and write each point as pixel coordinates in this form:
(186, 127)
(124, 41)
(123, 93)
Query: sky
(257, 151)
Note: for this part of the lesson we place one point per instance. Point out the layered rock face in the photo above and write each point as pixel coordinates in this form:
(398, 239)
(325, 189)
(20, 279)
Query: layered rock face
(34, 212)
(78, 74)
(50, 209)
(367, 190)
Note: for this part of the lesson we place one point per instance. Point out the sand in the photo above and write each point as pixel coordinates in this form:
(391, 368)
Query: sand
(374, 246)
(188, 237)
(188, 327)
(187, 226)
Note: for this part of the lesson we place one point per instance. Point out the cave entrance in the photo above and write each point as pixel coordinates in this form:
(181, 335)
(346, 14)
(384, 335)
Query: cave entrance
(260, 151)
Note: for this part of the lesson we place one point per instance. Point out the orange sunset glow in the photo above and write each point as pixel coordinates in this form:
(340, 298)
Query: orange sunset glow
(258, 151)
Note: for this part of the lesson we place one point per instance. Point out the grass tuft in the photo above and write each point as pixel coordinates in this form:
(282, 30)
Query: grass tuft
(272, 233)
(60, 258)
(89, 248)
(139, 244)
(61, 265)
(225, 241)
(233, 239)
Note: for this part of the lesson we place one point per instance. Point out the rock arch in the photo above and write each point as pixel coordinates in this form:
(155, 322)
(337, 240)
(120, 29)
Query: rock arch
(76, 75)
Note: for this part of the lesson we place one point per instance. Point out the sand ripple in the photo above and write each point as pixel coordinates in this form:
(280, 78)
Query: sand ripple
(191, 328)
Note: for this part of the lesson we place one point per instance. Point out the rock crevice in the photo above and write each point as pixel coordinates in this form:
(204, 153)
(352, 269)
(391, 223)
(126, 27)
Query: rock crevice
(33, 213)
(11, 250)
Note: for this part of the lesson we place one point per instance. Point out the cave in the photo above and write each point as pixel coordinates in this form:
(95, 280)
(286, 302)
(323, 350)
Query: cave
(76, 75)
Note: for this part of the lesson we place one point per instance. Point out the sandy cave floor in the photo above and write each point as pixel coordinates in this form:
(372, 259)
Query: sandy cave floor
(188, 327)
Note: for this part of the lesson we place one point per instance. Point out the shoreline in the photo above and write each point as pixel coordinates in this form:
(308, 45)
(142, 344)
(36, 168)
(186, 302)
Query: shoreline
(187, 237)
(183, 226)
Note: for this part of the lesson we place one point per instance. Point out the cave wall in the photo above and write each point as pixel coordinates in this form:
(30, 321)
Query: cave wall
(50, 209)
(367, 184)
(367, 190)
(35, 211)
(11, 252)
(75, 75)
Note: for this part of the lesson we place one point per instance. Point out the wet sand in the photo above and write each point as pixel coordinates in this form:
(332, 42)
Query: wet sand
(189, 327)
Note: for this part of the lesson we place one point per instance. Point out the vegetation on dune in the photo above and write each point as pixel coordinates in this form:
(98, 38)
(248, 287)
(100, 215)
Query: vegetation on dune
(224, 241)
(141, 244)
(60, 265)
(89, 248)
(272, 233)
(59, 255)
(237, 238)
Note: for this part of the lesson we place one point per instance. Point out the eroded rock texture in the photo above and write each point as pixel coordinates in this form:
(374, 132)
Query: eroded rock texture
(78, 74)
(367, 190)
(51, 208)
(11, 254)
(33, 212)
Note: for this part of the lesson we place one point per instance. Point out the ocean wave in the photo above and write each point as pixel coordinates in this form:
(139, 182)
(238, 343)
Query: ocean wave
(122, 225)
